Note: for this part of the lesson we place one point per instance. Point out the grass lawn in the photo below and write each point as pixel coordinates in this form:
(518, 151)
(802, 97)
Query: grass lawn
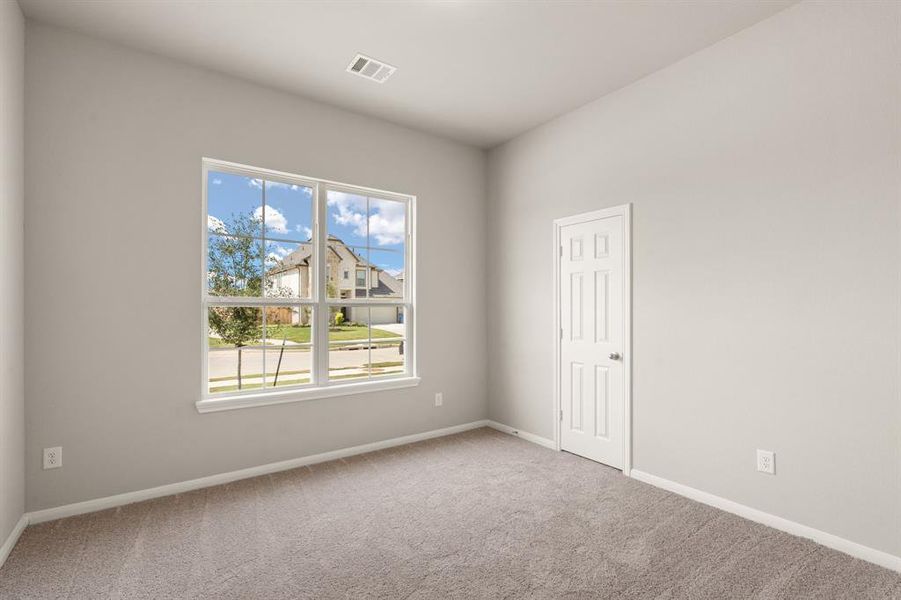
(301, 334)
(254, 386)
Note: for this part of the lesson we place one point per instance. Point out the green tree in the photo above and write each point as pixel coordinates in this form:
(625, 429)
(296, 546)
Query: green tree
(235, 260)
(235, 269)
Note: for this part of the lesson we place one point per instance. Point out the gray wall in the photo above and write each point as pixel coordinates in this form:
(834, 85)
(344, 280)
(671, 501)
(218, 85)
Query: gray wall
(764, 176)
(114, 142)
(12, 173)
(764, 173)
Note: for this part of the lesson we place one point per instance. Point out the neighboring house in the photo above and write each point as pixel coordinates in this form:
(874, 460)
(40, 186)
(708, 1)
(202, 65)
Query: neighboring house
(349, 276)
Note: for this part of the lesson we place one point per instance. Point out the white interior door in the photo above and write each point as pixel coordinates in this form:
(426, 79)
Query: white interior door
(593, 329)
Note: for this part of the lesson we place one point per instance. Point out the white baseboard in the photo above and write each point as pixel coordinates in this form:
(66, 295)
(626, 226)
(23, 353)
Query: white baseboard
(89, 506)
(12, 538)
(829, 540)
(529, 437)
(854, 549)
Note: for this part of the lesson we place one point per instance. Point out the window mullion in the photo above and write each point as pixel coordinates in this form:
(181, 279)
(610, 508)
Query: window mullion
(366, 283)
(265, 331)
(320, 348)
(409, 339)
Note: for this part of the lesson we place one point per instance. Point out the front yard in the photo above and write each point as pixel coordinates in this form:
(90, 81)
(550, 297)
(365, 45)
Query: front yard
(301, 334)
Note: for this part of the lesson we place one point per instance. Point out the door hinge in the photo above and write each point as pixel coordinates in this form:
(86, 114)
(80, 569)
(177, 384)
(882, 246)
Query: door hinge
(561, 251)
(561, 415)
(561, 333)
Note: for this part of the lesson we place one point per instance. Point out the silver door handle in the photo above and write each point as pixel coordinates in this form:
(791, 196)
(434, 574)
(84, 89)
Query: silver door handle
(615, 356)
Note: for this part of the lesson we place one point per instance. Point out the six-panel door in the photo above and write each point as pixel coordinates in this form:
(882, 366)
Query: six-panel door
(592, 376)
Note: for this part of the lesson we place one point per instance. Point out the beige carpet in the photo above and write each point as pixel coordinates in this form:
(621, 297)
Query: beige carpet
(475, 515)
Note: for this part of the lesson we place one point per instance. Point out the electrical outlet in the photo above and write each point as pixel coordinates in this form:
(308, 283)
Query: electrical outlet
(53, 457)
(766, 462)
(439, 399)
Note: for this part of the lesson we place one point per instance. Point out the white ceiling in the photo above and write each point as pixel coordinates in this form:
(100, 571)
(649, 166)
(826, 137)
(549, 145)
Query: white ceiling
(476, 71)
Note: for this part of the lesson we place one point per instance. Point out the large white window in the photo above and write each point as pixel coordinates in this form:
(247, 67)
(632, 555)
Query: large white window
(278, 323)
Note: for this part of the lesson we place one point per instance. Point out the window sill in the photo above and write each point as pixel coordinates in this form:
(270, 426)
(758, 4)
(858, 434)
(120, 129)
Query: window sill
(249, 400)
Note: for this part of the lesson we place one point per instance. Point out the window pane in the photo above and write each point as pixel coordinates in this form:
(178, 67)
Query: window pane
(346, 216)
(289, 270)
(235, 369)
(387, 322)
(349, 324)
(289, 211)
(333, 275)
(289, 334)
(388, 346)
(387, 276)
(387, 224)
(342, 263)
(235, 358)
(292, 323)
(357, 260)
(348, 362)
(288, 364)
(234, 204)
(234, 266)
(387, 357)
(349, 357)
(357, 349)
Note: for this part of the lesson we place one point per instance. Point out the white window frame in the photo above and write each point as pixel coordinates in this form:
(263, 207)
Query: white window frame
(319, 386)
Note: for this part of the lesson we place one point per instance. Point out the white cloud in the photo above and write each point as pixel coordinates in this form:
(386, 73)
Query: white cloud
(386, 218)
(304, 230)
(386, 222)
(217, 181)
(347, 217)
(214, 224)
(275, 220)
(351, 211)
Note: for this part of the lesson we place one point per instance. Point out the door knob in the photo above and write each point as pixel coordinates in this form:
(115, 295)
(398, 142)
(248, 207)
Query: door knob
(615, 356)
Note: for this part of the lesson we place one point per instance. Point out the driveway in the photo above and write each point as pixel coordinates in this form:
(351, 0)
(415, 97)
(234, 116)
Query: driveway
(398, 328)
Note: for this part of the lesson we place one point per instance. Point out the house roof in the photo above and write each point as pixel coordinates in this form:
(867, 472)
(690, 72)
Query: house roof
(302, 255)
(388, 286)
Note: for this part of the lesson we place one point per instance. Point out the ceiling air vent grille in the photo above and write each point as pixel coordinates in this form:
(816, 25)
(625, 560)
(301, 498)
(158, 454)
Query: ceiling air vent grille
(370, 68)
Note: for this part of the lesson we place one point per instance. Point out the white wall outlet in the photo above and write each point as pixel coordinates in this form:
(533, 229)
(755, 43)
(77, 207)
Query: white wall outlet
(53, 457)
(439, 399)
(766, 462)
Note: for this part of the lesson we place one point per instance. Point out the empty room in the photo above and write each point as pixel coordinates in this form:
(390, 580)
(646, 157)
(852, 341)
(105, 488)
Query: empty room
(471, 299)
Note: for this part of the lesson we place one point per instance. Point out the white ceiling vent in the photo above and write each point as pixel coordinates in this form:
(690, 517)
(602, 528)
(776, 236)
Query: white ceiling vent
(370, 68)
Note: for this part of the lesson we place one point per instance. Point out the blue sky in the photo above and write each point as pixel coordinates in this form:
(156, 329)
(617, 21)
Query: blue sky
(289, 217)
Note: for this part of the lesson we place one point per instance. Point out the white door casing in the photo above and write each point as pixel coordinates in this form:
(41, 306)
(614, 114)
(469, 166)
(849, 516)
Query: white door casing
(592, 363)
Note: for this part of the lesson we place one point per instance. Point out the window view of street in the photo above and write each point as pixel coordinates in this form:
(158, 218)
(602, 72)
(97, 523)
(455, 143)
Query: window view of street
(355, 351)
(260, 248)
